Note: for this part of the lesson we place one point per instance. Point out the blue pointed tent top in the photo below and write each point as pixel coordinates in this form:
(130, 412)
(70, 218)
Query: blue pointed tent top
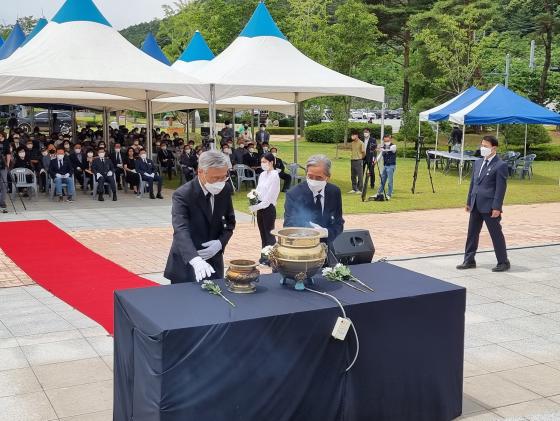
(197, 50)
(16, 38)
(41, 23)
(261, 24)
(80, 10)
(1, 42)
(500, 105)
(461, 101)
(151, 47)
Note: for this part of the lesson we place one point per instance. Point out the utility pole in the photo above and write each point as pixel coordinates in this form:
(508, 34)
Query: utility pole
(532, 56)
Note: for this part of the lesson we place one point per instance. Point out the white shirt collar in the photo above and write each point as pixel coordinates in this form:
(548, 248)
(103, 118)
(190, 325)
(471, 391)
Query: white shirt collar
(203, 188)
(490, 159)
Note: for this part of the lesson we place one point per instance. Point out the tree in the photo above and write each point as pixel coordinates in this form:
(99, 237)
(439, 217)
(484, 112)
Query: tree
(136, 34)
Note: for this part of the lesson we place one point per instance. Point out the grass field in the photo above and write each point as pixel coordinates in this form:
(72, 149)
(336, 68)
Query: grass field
(543, 187)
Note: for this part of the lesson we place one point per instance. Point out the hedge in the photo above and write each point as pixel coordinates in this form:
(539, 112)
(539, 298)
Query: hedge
(280, 130)
(325, 132)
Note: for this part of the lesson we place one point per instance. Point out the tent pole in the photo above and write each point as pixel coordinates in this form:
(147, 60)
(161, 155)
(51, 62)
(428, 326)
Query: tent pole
(437, 133)
(419, 122)
(253, 124)
(212, 111)
(149, 128)
(296, 126)
(74, 126)
(51, 128)
(187, 128)
(233, 125)
(498, 132)
(32, 119)
(525, 148)
(106, 127)
(383, 105)
(462, 154)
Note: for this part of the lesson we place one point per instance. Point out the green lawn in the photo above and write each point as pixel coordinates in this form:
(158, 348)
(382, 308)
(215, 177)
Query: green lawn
(543, 187)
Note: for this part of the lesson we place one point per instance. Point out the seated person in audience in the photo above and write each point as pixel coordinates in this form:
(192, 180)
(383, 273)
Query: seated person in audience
(21, 160)
(66, 144)
(166, 160)
(88, 170)
(61, 172)
(43, 172)
(188, 162)
(227, 152)
(104, 172)
(78, 161)
(147, 170)
(131, 175)
(265, 147)
(252, 158)
(239, 153)
(34, 155)
(117, 157)
(281, 168)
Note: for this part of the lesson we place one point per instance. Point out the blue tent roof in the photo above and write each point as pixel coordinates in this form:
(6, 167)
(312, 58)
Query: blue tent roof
(197, 49)
(500, 105)
(16, 38)
(261, 24)
(458, 103)
(151, 47)
(80, 10)
(41, 23)
(1, 42)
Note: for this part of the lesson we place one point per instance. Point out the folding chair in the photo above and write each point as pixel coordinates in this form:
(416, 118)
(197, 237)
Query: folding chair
(241, 172)
(19, 181)
(294, 168)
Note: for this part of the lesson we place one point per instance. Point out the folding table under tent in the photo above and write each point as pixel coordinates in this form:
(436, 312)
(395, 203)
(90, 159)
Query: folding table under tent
(13, 42)
(79, 23)
(499, 105)
(441, 112)
(272, 67)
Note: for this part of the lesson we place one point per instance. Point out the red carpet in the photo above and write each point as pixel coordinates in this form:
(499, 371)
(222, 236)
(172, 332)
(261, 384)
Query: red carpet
(67, 269)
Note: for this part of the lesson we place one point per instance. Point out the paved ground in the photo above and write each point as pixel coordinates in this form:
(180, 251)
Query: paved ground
(56, 364)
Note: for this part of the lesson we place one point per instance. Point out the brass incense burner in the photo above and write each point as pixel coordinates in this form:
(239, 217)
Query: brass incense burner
(298, 255)
(241, 276)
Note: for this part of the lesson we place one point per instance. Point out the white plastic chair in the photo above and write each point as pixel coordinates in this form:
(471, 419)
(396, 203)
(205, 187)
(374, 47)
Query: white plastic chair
(19, 180)
(294, 168)
(241, 171)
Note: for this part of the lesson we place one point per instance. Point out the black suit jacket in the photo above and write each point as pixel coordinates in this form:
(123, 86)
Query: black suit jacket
(299, 209)
(488, 190)
(76, 162)
(104, 167)
(145, 168)
(65, 169)
(113, 156)
(193, 225)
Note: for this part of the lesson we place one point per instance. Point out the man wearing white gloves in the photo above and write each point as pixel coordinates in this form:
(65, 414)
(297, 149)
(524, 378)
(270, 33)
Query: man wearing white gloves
(203, 222)
(316, 203)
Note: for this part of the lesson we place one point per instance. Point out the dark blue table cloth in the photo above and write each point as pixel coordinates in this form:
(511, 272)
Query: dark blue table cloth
(182, 354)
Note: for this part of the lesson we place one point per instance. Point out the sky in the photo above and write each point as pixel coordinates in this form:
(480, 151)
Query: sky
(121, 13)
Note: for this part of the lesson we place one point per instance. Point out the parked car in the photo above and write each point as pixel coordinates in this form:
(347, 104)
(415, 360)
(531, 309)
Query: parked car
(63, 122)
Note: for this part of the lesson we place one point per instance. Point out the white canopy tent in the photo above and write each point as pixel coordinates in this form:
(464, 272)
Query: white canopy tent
(72, 51)
(262, 62)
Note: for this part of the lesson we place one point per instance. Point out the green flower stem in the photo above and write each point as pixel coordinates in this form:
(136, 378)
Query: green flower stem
(224, 297)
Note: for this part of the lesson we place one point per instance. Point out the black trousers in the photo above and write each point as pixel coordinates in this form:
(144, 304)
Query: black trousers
(265, 220)
(101, 184)
(287, 180)
(494, 228)
(370, 166)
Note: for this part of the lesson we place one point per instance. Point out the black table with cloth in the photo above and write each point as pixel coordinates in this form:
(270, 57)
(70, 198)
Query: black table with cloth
(183, 354)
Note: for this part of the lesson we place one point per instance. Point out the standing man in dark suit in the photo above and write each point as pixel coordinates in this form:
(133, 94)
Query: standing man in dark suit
(262, 135)
(484, 202)
(117, 158)
(279, 165)
(104, 172)
(371, 156)
(203, 222)
(147, 170)
(316, 203)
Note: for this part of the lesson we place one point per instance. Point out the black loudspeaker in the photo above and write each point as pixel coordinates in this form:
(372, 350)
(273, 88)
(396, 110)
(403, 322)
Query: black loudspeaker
(353, 247)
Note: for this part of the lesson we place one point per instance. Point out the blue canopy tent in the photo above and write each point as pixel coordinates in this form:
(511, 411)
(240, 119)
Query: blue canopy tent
(1, 42)
(151, 47)
(197, 50)
(501, 106)
(441, 112)
(16, 38)
(41, 23)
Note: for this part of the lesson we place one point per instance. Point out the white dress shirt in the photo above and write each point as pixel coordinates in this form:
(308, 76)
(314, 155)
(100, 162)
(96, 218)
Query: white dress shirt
(268, 189)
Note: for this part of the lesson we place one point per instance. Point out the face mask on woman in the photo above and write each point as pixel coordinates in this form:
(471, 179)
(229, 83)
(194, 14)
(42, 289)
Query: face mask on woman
(90, 154)
(21, 155)
(265, 166)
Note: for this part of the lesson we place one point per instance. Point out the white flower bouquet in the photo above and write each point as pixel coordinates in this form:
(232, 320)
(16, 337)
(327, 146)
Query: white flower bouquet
(342, 273)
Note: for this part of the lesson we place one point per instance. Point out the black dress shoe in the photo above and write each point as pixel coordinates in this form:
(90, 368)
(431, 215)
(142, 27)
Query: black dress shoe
(159, 196)
(101, 198)
(115, 197)
(467, 265)
(152, 196)
(502, 267)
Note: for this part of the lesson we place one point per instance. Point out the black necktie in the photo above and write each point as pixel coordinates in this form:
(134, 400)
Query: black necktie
(483, 168)
(208, 203)
(59, 164)
(318, 206)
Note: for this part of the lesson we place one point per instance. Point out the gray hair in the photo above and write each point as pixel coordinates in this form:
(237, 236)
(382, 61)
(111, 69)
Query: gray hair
(320, 160)
(212, 159)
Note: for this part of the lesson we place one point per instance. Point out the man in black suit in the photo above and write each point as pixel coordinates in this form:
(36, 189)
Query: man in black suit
(117, 158)
(484, 202)
(147, 170)
(316, 203)
(78, 161)
(371, 156)
(203, 222)
(279, 165)
(61, 171)
(253, 158)
(262, 135)
(104, 172)
(166, 160)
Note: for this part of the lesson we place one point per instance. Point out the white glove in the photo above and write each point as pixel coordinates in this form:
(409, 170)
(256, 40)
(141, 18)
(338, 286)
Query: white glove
(58, 175)
(152, 175)
(134, 171)
(119, 165)
(109, 173)
(78, 168)
(98, 176)
(212, 248)
(66, 175)
(202, 270)
(324, 232)
(42, 171)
